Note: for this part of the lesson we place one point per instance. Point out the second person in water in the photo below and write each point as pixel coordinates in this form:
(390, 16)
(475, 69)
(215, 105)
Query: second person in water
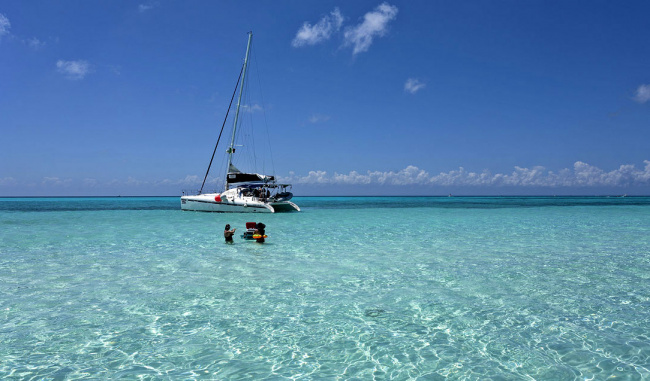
(259, 231)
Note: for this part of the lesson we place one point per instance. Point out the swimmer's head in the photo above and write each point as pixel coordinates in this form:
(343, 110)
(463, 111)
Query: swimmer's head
(228, 227)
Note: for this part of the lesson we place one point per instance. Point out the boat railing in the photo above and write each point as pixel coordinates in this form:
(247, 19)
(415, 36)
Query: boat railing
(194, 192)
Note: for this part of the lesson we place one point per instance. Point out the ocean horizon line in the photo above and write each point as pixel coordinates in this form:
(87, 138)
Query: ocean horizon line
(358, 196)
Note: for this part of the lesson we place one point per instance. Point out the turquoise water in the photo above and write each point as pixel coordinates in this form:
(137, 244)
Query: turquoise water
(350, 288)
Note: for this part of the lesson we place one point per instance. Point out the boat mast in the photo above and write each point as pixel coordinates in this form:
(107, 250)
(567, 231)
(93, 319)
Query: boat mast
(231, 149)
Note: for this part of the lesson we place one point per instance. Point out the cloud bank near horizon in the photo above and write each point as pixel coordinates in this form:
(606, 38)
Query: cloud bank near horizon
(582, 175)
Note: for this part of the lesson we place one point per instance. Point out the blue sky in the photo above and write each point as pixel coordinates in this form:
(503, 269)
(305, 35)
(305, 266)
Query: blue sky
(353, 98)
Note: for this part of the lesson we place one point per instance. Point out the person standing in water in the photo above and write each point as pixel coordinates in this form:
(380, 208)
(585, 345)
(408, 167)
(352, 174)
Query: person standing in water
(227, 234)
(259, 230)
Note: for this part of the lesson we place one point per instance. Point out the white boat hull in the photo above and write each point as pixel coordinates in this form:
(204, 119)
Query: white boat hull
(210, 203)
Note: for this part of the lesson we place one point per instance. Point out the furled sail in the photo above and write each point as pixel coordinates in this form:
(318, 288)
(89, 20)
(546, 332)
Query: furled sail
(239, 177)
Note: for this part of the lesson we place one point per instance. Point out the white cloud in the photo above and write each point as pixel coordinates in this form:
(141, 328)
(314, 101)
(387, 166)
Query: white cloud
(189, 180)
(321, 31)
(116, 69)
(642, 94)
(413, 85)
(587, 175)
(582, 175)
(147, 7)
(315, 177)
(55, 181)
(318, 118)
(132, 181)
(90, 183)
(375, 24)
(5, 25)
(73, 69)
(408, 175)
(34, 43)
(7, 181)
(252, 108)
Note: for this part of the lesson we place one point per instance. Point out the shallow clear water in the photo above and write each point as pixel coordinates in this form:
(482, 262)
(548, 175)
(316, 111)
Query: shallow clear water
(350, 288)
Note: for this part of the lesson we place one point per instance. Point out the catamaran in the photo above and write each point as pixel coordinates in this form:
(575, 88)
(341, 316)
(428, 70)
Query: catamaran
(244, 192)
